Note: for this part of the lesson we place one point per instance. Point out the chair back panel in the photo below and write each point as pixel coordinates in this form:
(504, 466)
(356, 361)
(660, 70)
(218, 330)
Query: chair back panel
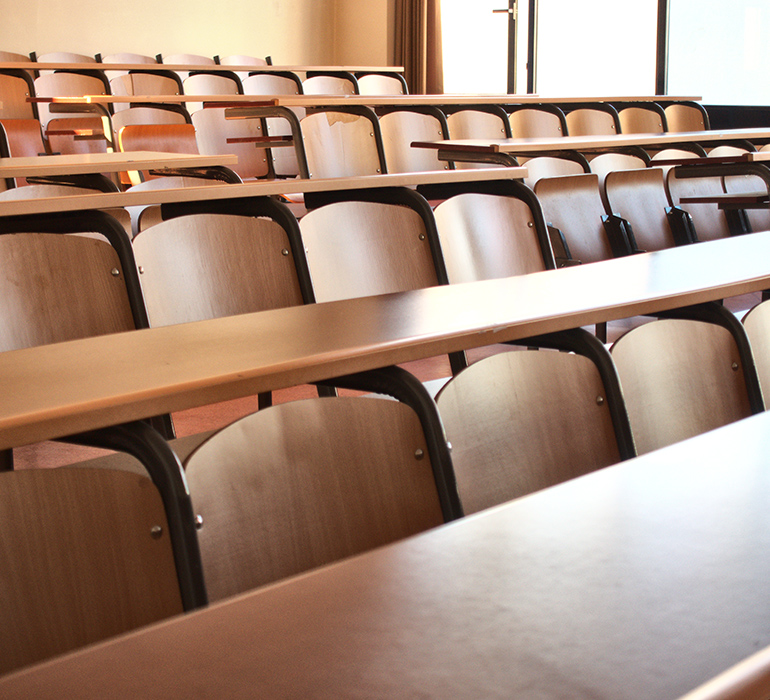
(206, 266)
(339, 144)
(638, 120)
(357, 249)
(328, 85)
(639, 196)
(15, 91)
(757, 325)
(573, 205)
(305, 483)
(590, 122)
(402, 127)
(212, 132)
(710, 222)
(83, 560)
(524, 420)
(208, 84)
(535, 123)
(59, 287)
(680, 378)
(549, 166)
(169, 138)
(487, 236)
(683, 117)
(375, 84)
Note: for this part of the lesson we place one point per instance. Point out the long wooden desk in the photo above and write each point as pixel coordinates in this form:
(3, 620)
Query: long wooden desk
(144, 67)
(641, 582)
(500, 151)
(111, 379)
(85, 163)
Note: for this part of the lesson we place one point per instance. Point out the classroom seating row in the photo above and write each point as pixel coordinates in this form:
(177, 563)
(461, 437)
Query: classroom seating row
(418, 484)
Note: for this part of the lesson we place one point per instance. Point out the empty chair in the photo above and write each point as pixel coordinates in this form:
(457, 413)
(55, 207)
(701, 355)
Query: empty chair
(593, 121)
(757, 325)
(758, 219)
(60, 57)
(240, 60)
(682, 377)
(341, 84)
(686, 116)
(208, 265)
(647, 118)
(20, 138)
(209, 84)
(73, 133)
(709, 220)
(400, 127)
(186, 59)
(141, 83)
(343, 144)
(543, 121)
(639, 197)
(478, 123)
(135, 58)
(305, 483)
(487, 236)
(573, 205)
(10, 56)
(86, 556)
(521, 421)
(168, 138)
(16, 86)
(382, 84)
(148, 115)
(282, 83)
(218, 135)
(550, 166)
(608, 162)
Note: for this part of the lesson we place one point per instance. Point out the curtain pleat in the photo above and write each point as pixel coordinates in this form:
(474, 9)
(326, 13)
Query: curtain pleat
(418, 45)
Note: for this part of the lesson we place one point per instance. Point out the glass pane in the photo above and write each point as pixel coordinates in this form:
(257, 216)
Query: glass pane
(475, 43)
(596, 47)
(720, 50)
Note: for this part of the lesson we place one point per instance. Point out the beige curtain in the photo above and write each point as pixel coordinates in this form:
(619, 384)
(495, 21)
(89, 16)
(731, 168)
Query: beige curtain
(418, 45)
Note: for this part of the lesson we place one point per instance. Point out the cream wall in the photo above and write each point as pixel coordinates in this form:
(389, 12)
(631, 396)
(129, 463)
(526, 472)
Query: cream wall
(291, 31)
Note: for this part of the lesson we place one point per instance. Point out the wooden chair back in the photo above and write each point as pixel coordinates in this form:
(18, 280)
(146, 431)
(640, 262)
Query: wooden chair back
(143, 84)
(16, 87)
(84, 292)
(87, 556)
(147, 115)
(537, 123)
(639, 196)
(305, 483)
(680, 378)
(209, 84)
(342, 144)
(521, 421)
(648, 119)
(573, 204)
(486, 236)
(206, 266)
(357, 249)
(239, 60)
(757, 325)
(271, 84)
(591, 122)
(550, 166)
(378, 84)
(399, 128)
(477, 124)
(709, 220)
(686, 116)
(758, 219)
(215, 135)
(169, 138)
(329, 85)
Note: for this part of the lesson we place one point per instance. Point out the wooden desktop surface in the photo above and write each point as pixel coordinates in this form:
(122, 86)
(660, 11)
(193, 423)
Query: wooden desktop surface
(641, 581)
(262, 188)
(84, 163)
(588, 143)
(111, 379)
(58, 65)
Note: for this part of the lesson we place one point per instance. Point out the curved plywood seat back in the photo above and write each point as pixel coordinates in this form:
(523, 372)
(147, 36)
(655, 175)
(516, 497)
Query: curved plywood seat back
(399, 129)
(169, 138)
(639, 120)
(83, 293)
(639, 196)
(376, 84)
(757, 325)
(590, 122)
(206, 266)
(487, 236)
(339, 144)
(87, 556)
(709, 220)
(15, 91)
(208, 84)
(573, 205)
(357, 249)
(549, 166)
(328, 85)
(680, 378)
(535, 123)
(213, 132)
(305, 483)
(521, 421)
(684, 117)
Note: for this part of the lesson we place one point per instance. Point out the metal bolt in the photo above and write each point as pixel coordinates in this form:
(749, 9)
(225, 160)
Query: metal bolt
(449, 445)
(422, 236)
(115, 272)
(198, 522)
(735, 366)
(599, 400)
(141, 270)
(284, 251)
(530, 224)
(419, 454)
(156, 532)
(378, 170)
